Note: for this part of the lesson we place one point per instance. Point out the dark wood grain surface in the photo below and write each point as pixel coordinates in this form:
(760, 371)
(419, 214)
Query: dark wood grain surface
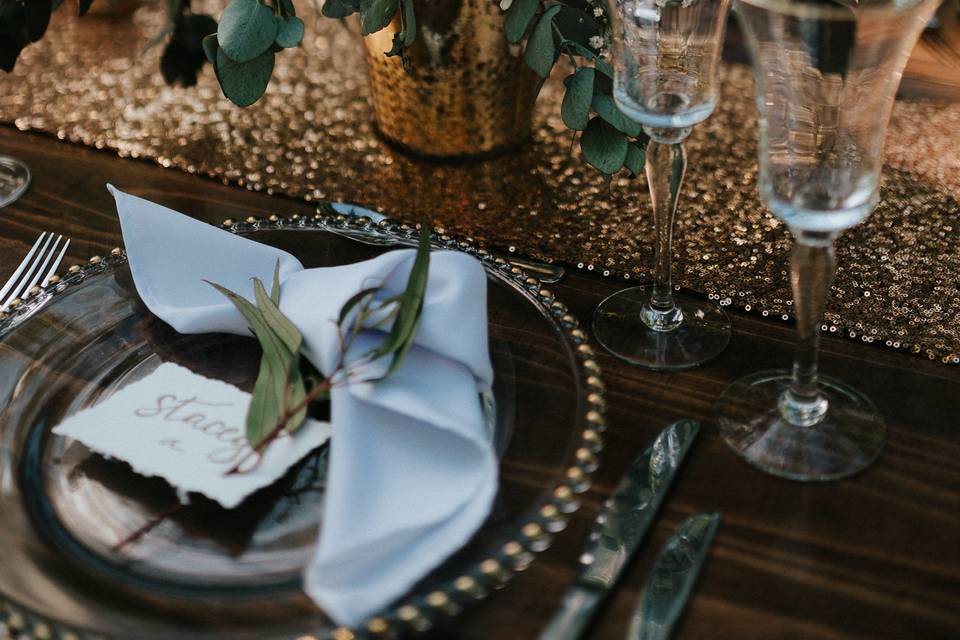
(875, 556)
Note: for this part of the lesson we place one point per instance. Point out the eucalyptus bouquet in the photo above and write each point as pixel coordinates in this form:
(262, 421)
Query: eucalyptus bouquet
(243, 45)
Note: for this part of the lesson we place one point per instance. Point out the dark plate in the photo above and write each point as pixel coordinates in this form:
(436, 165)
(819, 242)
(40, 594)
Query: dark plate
(203, 571)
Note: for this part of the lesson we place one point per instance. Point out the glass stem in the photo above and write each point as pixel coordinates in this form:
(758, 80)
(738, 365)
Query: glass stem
(666, 164)
(812, 266)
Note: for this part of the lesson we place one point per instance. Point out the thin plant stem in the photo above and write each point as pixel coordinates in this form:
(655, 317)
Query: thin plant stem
(148, 526)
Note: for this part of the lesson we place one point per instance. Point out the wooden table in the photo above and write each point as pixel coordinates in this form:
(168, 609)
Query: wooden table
(875, 556)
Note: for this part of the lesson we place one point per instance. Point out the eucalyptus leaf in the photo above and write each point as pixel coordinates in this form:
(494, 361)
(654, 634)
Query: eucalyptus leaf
(247, 29)
(400, 354)
(37, 18)
(635, 158)
(353, 301)
(210, 47)
(289, 32)
(244, 82)
(603, 146)
(376, 14)
(409, 23)
(607, 109)
(278, 323)
(518, 18)
(406, 36)
(575, 110)
(279, 386)
(405, 326)
(541, 50)
(575, 25)
(603, 67)
(275, 286)
(340, 8)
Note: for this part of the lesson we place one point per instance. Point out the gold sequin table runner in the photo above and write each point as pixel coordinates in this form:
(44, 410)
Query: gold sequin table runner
(312, 138)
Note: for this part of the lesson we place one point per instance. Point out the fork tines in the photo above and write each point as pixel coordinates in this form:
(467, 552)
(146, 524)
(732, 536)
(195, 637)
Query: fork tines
(37, 268)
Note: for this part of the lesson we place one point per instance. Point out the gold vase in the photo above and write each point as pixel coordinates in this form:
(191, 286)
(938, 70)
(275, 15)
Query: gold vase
(466, 92)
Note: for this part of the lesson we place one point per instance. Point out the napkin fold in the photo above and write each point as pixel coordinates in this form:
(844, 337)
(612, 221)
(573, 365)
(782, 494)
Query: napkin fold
(412, 470)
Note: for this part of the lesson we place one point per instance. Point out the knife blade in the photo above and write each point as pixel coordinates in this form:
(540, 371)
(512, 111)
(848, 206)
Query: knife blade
(675, 571)
(620, 527)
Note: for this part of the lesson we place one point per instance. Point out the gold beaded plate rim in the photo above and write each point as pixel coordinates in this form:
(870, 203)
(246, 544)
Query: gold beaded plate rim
(416, 612)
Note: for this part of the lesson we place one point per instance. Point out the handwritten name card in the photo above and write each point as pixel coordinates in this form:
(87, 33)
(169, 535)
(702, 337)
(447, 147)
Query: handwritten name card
(189, 430)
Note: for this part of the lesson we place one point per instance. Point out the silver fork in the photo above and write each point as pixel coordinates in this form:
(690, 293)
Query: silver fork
(37, 268)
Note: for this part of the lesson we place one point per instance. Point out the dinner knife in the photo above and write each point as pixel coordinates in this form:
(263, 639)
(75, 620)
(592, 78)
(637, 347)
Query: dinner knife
(620, 527)
(668, 587)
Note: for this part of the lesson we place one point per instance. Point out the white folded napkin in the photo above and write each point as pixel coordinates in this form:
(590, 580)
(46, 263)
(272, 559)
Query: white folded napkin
(412, 471)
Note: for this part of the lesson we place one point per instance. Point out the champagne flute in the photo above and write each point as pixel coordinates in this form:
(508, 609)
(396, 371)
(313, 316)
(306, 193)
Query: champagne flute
(666, 54)
(14, 179)
(827, 72)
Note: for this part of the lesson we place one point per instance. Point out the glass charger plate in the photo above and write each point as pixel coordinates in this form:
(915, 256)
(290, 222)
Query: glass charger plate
(205, 572)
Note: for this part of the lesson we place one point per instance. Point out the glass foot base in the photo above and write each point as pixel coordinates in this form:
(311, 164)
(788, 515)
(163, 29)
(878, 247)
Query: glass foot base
(619, 327)
(847, 440)
(14, 179)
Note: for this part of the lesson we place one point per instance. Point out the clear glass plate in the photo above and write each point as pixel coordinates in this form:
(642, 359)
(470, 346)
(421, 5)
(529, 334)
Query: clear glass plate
(207, 572)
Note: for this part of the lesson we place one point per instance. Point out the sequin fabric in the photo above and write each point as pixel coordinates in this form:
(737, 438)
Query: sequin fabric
(311, 137)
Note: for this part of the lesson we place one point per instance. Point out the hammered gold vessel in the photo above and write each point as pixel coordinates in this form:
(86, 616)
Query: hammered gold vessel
(467, 91)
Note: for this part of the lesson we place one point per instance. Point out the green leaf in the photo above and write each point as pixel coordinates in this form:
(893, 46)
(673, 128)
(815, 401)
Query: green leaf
(340, 8)
(353, 301)
(251, 313)
(404, 328)
(603, 146)
(575, 110)
(275, 287)
(247, 29)
(405, 37)
(279, 386)
(574, 24)
(607, 109)
(410, 23)
(289, 32)
(400, 354)
(635, 159)
(244, 82)
(37, 18)
(376, 14)
(541, 50)
(577, 49)
(603, 67)
(278, 323)
(518, 19)
(210, 47)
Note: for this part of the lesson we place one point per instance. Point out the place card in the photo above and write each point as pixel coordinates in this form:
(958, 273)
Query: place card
(190, 431)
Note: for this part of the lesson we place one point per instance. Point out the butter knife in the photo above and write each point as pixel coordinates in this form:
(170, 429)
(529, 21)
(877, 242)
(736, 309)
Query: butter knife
(620, 527)
(671, 580)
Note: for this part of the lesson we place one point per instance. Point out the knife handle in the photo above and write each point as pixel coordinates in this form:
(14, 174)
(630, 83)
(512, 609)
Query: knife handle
(575, 612)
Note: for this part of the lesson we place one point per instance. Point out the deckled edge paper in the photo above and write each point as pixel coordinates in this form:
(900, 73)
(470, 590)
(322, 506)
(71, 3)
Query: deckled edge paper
(190, 431)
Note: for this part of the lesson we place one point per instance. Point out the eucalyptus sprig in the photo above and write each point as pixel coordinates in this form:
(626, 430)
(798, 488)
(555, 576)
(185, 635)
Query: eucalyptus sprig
(282, 393)
(575, 30)
(242, 51)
